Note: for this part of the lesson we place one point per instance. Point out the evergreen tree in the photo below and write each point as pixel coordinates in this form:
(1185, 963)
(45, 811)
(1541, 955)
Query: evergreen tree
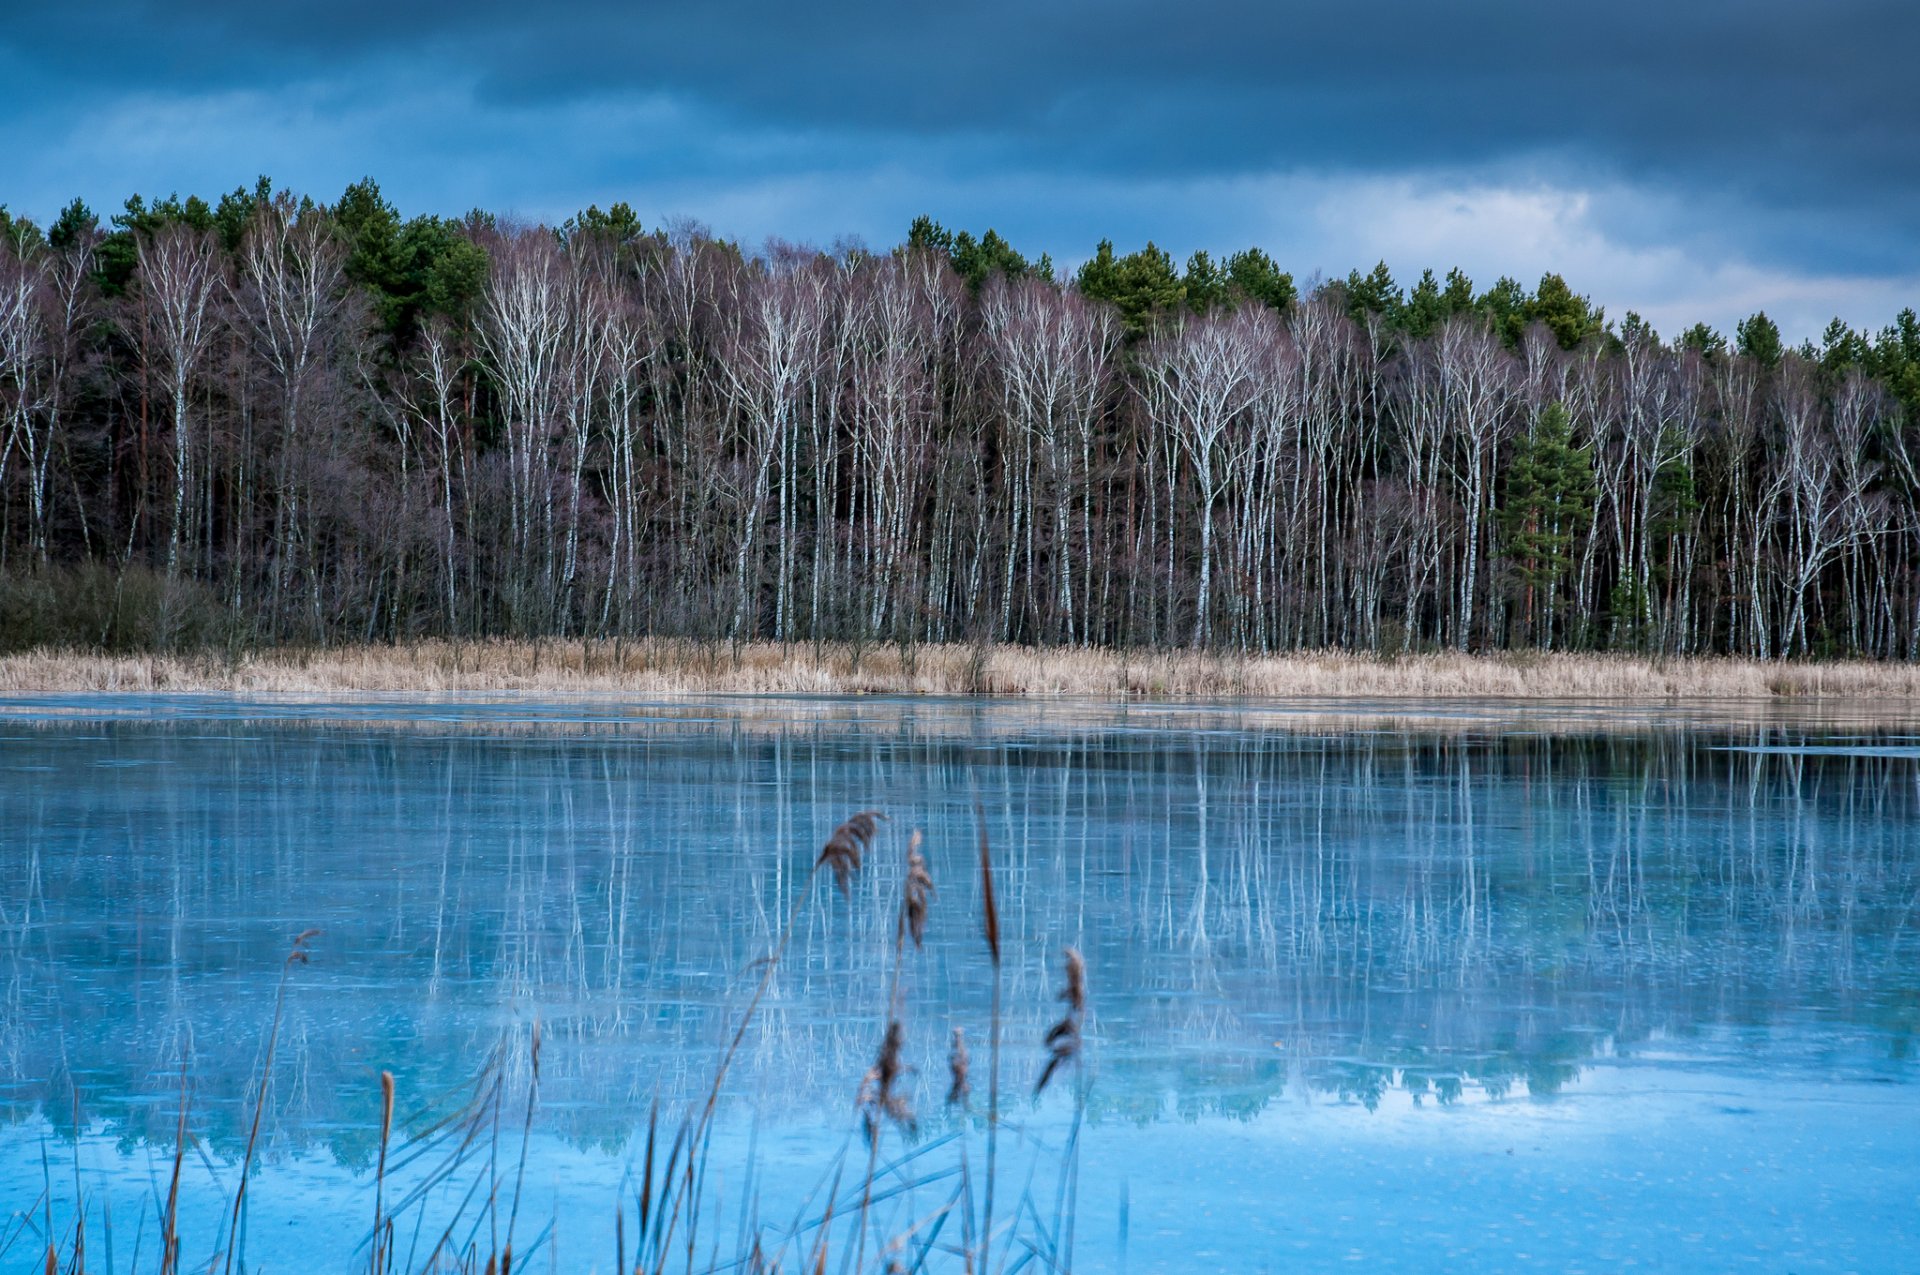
(974, 260)
(1570, 317)
(1206, 283)
(1636, 330)
(1704, 341)
(1758, 337)
(1141, 285)
(1430, 304)
(75, 222)
(1505, 305)
(371, 226)
(19, 233)
(234, 212)
(1374, 293)
(1841, 348)
(1895, 361)
(1676, 499)
(618, 225)
(426, 265)
(1426, 307)
(1254, 276)
(120, 250)
(1548, 508)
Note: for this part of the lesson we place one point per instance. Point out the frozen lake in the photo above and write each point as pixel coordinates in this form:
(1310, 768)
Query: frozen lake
(1423, 986)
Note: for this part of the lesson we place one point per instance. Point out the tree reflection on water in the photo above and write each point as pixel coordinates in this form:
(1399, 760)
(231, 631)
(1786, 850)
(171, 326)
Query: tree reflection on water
(1338, 914)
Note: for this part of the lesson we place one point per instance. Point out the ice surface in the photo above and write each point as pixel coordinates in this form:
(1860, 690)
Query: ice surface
(1506, 991)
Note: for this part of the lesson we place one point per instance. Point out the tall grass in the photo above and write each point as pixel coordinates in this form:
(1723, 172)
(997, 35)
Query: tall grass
(659, 667)
(846, 1230)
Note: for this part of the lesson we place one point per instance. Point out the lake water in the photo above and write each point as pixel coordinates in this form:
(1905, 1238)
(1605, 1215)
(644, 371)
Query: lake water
(1421, 987)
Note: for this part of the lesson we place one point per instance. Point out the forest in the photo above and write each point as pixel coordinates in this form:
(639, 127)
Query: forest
(268, 421)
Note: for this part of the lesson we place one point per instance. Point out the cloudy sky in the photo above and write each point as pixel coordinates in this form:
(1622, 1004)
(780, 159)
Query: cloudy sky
(1691, 159)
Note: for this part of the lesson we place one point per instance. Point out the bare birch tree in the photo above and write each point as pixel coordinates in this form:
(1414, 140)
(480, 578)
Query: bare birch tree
(289, 291)
(179, 276)
(1199, 379)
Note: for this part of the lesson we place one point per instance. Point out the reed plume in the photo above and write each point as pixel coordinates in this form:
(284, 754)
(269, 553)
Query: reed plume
(914, 896)
(879, 1096)
(959, 1069)
(843, 849)
(1063, 1039)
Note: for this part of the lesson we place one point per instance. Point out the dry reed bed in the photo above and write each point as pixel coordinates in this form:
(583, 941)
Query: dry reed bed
(668, 668)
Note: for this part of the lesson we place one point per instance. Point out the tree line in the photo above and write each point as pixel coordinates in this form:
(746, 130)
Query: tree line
(271, 420)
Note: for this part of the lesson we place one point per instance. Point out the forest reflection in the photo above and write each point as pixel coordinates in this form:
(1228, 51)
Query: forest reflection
(1316, 914)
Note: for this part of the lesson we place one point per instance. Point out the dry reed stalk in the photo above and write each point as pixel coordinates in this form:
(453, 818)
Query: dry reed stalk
(819, 1262)
(169, 1227)
(380, 1173)
(297, 956)
(881, 1099)
(79, 1265)
(990, 924)
(645, 1203)
(526, 1137)
(1063, 1046)
(470, 1121)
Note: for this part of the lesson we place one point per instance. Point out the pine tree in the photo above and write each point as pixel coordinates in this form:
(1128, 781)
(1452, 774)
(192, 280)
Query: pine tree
(1142, 285)
(1549, 505)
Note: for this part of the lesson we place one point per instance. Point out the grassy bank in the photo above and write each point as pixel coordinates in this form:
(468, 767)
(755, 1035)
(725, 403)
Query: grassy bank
(666, 668)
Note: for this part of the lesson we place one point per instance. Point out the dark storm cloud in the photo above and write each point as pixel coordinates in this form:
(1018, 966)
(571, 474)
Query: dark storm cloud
(1756, 83)
(1787, 122)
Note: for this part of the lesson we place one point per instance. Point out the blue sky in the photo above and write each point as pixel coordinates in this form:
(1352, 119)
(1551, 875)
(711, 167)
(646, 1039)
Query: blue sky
(1691, 159)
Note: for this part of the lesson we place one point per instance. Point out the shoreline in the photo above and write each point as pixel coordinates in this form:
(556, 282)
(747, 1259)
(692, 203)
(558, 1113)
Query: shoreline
(666, 668)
